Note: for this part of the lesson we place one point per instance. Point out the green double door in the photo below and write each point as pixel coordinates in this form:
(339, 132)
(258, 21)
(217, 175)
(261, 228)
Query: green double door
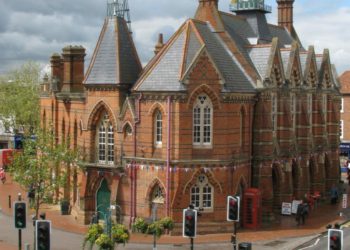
(103, 200)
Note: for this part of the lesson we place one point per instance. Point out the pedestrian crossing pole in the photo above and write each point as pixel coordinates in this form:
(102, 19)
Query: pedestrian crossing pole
(19, 230)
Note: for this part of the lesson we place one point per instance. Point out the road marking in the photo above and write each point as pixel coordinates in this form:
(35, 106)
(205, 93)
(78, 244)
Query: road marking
(316, 242)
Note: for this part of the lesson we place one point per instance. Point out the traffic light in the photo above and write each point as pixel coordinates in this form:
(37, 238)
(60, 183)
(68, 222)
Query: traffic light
(42, 234)
(189, 228)
(335, 239)
(20, 214)
(233, 206)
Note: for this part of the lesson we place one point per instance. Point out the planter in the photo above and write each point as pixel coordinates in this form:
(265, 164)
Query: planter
(65, 207)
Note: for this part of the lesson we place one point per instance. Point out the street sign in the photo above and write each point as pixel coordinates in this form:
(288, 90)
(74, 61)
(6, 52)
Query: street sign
(345, 201)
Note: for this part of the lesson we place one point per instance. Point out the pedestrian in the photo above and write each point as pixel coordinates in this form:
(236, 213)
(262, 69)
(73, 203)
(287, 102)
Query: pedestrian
(2, 175)
(334, 194)
(31, 195)
(302, 211)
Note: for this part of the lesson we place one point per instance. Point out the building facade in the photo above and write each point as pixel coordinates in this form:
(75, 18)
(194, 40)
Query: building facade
(229, 102)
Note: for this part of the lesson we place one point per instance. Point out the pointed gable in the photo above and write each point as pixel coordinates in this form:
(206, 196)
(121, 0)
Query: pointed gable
(275, 65)
(325, 69)
(310, 71)
(115, 60)
(293, 71)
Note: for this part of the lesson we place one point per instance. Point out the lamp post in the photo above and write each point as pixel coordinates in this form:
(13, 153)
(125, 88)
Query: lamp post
(154, 218)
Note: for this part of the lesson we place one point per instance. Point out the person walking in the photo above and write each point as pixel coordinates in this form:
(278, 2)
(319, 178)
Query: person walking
(302, 211)
(2, 175)
(334, 194)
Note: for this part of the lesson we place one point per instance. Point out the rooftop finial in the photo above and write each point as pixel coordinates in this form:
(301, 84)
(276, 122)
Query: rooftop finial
(119, 8)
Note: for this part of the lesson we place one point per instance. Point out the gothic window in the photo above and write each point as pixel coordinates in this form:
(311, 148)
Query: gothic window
(309, 107)
(127, 130)
(325, 107)
(293, 110)
(242, 128)
(274, 112)
(202, 121)
(202, 193)
(157, 194)
(105, 141)
(158, 123)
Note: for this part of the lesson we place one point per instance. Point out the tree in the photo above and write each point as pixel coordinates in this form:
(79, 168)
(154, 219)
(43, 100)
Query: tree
(37, 167)
(19, 98)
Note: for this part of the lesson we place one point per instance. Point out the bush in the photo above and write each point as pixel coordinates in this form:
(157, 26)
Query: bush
(104, 242)
(167, 223)
(140, 225)
(94, 232)
(155, 228)
(120, 234)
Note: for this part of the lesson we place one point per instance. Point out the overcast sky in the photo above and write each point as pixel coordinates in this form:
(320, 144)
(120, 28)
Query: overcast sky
(34, 29)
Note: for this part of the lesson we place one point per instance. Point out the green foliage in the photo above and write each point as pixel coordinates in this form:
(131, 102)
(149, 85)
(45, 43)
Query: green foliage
(140, 225)
(94, 232)
(19, 98)
(167, 223)
(157, 227)
(39, 166)
(104, 242)
(96, 235)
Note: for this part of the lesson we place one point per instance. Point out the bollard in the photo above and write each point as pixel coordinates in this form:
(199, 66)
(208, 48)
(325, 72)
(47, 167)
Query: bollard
(27, 246)
(9, 201)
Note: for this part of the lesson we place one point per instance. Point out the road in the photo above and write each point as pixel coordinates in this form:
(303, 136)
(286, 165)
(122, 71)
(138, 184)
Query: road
(321, 241)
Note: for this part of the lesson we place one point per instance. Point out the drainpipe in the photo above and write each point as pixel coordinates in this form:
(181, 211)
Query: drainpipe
(168, 160)
(133, 173)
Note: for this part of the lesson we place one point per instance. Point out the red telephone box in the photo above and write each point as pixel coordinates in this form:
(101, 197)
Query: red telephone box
(252, 208)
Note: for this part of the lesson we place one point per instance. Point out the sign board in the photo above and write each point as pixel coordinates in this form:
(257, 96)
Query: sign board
(286, 208)
(295, 205)
(345, 201)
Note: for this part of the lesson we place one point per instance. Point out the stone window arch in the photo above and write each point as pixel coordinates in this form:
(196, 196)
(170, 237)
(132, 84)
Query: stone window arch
(202, 121)
(105, 140)
(201, 195)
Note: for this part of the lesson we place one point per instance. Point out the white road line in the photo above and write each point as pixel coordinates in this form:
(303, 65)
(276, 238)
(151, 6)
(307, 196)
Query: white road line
(316, 242)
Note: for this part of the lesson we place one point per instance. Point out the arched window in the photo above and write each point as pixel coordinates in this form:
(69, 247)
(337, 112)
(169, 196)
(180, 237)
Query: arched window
(105, 141)
(157, 195)
(242, 128)
(202, 121)
(274, 109)
(127, 130)
(158, 123)
(202, 193)
(293, 110)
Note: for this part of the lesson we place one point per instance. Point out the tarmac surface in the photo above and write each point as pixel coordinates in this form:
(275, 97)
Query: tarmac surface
(283, 234)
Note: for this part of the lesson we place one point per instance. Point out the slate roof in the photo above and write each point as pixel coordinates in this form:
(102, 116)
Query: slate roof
(115, 60)
(260, 57)
(166, 72)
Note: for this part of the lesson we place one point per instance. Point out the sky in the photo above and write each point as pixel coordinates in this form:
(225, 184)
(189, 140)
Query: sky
(35, 29)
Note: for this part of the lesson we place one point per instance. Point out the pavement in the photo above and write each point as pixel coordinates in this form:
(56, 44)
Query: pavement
(283, 228)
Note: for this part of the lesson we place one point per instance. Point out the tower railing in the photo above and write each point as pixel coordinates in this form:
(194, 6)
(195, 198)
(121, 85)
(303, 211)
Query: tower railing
(237, 5)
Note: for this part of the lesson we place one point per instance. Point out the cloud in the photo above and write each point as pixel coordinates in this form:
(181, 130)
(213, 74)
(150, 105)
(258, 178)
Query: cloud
(34, 29)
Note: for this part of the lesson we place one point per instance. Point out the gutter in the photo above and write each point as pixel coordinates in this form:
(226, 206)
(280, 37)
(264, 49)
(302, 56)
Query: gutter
(168, 160)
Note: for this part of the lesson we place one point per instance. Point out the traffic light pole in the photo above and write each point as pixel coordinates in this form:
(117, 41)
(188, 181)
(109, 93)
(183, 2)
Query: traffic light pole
(191, 243)
(19, 230)
(234, 237)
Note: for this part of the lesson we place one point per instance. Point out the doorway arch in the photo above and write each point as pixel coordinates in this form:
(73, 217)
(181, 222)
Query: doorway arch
(103, 199)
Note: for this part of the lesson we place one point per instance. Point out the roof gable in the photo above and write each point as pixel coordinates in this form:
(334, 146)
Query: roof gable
(310, 71)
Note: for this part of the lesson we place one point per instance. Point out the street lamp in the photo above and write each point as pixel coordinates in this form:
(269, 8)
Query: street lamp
(155, 203)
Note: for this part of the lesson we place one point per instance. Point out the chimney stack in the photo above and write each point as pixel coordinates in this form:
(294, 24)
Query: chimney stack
(56, 72)
(73, 68)
(285, 14)
(159, 45)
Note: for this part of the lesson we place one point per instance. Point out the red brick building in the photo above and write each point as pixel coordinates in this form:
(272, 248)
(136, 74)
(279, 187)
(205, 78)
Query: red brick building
(228, 103)
(345, 117)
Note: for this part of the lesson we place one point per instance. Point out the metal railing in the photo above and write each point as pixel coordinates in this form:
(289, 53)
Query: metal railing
(237, 5)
